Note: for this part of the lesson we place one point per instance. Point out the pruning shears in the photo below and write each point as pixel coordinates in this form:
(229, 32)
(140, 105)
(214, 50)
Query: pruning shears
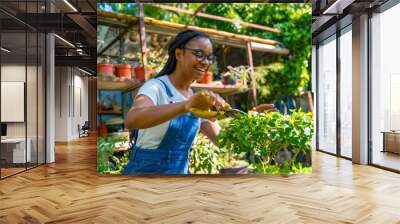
(225, 112)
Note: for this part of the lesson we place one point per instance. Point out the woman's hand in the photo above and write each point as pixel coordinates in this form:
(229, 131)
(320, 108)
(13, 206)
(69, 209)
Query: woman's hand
(204, 101)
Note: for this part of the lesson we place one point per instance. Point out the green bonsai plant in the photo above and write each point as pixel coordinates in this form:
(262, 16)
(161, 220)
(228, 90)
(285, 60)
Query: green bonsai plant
(276, 140)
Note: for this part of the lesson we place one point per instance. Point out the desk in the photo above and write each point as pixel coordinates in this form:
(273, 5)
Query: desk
(391, 141)
(13, 150)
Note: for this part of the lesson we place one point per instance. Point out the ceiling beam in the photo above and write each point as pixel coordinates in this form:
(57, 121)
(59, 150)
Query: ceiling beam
(84, 24)
(82, 61)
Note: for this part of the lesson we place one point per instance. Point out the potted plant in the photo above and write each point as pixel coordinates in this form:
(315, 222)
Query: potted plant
(272, 142)
(124, 70)
(206, 78)
(234, 74)
(105, 68)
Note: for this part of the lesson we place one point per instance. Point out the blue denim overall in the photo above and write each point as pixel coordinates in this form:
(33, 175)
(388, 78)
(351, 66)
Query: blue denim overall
(172, 155)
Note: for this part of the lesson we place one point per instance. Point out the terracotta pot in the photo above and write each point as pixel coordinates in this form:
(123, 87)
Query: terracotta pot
(207, 78)
(105, 68)
(102, 130)
(124, 70)
(139, 73)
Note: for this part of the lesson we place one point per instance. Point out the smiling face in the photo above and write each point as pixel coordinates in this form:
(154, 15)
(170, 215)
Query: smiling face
(190, 58)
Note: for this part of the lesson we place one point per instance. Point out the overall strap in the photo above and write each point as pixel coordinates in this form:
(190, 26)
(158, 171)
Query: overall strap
(135, 132)
(134, 135)
(166, 87)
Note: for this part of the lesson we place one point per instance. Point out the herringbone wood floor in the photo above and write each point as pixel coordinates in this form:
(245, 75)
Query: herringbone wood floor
(69, 191)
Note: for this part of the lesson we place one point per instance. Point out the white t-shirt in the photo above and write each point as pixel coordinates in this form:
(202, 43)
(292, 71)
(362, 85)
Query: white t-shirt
(150, 138)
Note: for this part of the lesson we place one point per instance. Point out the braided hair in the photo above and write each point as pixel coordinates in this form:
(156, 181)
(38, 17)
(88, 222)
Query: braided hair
(179, 42)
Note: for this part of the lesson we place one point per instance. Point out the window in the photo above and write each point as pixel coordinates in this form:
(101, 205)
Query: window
(327, 95)
(346, 92)
(385, 88)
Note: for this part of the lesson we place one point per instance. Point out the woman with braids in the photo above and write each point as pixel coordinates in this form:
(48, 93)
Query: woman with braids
(164, 128)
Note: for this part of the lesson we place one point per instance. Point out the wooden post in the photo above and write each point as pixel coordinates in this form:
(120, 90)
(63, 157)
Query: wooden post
(142, 33)
(253, 80)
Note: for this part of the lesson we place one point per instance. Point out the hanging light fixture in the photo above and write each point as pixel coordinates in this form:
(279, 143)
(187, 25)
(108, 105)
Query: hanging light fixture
(70, 5)
(5, 50)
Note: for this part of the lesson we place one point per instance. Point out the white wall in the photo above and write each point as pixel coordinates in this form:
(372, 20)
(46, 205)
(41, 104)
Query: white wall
(71, 94)
(61, 103)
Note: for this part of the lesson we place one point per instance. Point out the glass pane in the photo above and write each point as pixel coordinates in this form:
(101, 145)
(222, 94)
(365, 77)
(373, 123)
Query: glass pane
(41, 99)
(13, 86)
(386, 89)
(346, 93)
(327, 96)
(31, 97)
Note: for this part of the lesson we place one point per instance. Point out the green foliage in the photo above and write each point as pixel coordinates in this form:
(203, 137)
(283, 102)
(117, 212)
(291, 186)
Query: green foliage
(267, 136)
(205, 158)
(278, 169)
(107, 161)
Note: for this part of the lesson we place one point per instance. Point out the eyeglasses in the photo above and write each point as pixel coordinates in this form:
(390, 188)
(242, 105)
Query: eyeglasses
(200, 55)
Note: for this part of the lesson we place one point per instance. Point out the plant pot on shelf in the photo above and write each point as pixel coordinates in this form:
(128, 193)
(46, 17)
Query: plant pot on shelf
(207, 78)
(229, 79)
(107, 69)
(139, 73)
(102, 130)
(124, 70)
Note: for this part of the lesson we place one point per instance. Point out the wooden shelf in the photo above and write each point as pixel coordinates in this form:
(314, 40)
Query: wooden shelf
(118, 84)
(220, 88)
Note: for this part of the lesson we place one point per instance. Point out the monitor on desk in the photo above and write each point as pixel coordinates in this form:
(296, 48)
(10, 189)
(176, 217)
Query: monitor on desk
(3, 130)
